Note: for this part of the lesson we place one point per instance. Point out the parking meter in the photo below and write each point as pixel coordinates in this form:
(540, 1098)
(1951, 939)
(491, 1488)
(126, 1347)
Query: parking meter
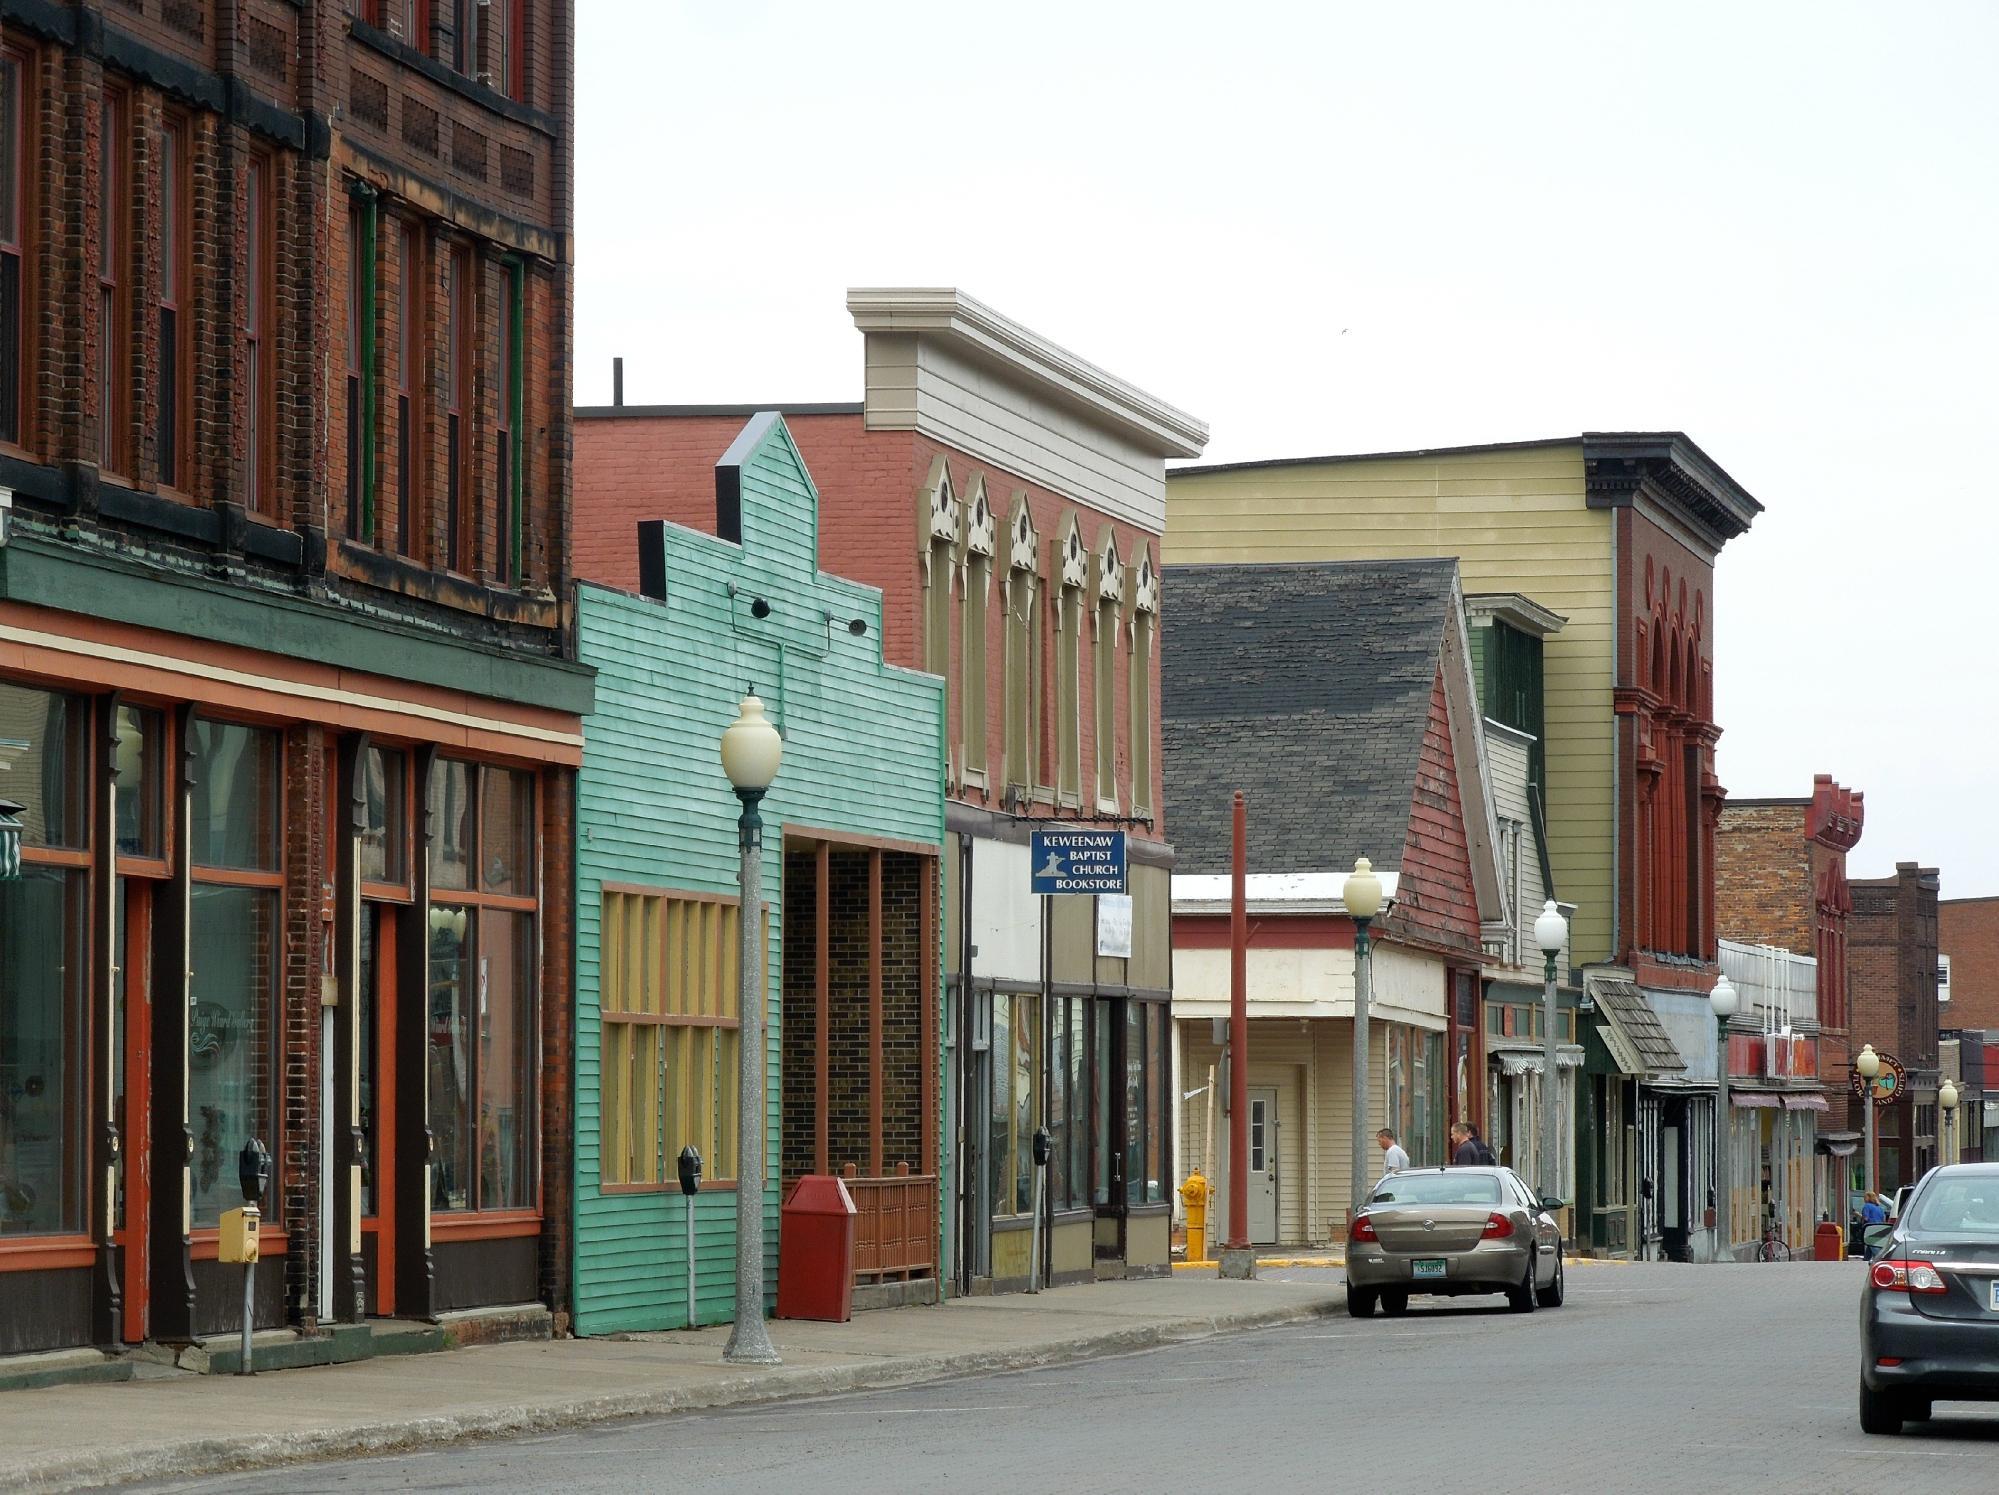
(253, 1171)
(1043, 1147)
(1043, 1150)
(689, 1164)
(690, 1171)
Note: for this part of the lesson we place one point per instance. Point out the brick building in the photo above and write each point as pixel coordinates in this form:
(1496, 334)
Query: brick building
(1892, 982)
(286, 690)
(1780, 882)
(1968, 941)
(1008, 499)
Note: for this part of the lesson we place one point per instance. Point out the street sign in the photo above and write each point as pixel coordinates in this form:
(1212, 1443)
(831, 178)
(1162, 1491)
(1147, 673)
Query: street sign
(1077, 861)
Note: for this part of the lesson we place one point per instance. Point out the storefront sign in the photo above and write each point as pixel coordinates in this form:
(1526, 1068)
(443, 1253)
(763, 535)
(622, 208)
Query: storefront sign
(1114, 925)
(1887, 1085)
(1077, 861)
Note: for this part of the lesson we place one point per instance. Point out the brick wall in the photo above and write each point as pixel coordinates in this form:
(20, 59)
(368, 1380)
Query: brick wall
(654, 466)
(1763, 876)
(1968, 932)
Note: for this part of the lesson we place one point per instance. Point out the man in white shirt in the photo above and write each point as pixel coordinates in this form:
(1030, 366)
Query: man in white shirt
(1394, 1159)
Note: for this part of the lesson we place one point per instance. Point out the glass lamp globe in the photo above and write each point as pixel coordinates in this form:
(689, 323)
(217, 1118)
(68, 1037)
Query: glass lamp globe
(1362, 891)
(1723, 999)
(1867, 1062)
(751, 747)
(1551, 930)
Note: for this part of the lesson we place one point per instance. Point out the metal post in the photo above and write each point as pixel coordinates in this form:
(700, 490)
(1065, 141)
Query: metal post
(688, 1213)
(1550, 1085)
(1867, 1128)
(1034, 1264)
(249, 1314)
(1237, 1259)
(1362, 979)
(749, 1342)
(1724, 1159)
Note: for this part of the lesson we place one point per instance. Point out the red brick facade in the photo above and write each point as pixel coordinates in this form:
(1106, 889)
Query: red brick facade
(659, 464)
(1893, 980)
(1968, 932)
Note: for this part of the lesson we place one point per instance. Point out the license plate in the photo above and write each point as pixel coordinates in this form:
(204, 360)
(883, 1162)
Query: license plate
(1434, 1268)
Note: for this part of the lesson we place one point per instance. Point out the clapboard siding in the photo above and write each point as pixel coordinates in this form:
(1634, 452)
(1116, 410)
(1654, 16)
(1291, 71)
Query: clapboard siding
(1517, 522)
(863, 754)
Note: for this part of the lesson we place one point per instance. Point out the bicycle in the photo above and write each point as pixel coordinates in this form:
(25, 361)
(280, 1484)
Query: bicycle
(1773, 1246)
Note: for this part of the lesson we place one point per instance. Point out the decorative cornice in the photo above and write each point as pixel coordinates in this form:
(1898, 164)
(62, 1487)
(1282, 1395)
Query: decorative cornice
(1515, 610)
(984, 335)
(1836, 814)
(1665, 467)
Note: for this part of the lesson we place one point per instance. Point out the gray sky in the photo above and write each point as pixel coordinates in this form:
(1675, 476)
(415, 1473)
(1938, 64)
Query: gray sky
(1344, 227)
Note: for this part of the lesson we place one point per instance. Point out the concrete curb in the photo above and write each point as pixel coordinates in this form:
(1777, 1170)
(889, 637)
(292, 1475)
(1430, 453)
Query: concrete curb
(205, 1456)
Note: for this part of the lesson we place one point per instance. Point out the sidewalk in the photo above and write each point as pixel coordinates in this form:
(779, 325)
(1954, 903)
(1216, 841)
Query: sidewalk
(186, 1425)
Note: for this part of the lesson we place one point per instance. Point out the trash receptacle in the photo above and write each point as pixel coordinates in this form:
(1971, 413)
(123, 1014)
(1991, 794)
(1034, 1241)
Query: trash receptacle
(815, 1251)
(1828, 1244)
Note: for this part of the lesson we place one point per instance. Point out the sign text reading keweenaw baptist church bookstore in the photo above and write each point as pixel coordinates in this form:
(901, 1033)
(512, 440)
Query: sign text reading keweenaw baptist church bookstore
(1077, 861)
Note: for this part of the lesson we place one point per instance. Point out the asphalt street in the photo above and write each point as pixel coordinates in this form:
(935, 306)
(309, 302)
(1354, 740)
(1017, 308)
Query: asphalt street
(1651, 1377)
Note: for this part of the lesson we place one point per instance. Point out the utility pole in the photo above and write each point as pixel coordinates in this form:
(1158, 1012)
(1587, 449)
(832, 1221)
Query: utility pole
(1237, 1259)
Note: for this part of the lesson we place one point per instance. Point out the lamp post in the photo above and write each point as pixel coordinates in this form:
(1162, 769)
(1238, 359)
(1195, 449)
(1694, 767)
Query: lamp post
(1361, 896)
(1947, 1103)
(1867, 1064)
(751, 752)
(1551, 932)
(1724, 1002)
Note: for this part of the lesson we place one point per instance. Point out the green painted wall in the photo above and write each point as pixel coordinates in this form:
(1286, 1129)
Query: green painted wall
(863, 752)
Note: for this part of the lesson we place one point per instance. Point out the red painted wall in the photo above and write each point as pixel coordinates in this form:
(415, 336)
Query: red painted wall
(1436, 902)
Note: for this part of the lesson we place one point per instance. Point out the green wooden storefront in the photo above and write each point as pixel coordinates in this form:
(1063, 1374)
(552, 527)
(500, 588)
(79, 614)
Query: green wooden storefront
(863, 770)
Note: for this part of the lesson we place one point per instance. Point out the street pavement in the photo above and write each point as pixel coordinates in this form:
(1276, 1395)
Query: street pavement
(1654, 1377)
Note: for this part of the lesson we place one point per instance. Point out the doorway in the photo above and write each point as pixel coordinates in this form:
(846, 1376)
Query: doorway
(375, 1073)
(131, 1075)
(1263, 1174)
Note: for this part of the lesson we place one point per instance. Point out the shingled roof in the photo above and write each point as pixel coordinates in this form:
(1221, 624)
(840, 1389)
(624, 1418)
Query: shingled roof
(1308, 687)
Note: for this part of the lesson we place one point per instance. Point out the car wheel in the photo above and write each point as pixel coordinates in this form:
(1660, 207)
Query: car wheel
(1521, 1299)
(1394, 1303)
(1916, 1411)
(1880, 1411)
(1360, 1301)
(1551, 1295)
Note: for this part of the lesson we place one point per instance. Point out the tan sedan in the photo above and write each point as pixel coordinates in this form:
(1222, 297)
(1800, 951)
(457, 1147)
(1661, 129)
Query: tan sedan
(1452, 1231)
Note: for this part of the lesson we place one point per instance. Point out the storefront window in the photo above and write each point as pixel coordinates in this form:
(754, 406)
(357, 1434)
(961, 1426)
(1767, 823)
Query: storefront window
(1103, 1099)
(999, 1152)
(234, 955)
(1068, 1092)
(43, 957)
(1026, 1095)
(43, 752)
(383, 837)
(483, 1049)
(1144, 1102)
(136, 771)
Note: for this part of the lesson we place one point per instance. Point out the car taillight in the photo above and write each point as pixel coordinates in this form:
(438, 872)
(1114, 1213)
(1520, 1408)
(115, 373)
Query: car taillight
(1907, 1277)
(1362, 1229)
(1497, 1227)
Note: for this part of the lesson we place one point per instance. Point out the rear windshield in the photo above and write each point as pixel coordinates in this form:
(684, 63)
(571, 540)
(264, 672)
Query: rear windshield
(1438, 1188)
(1968, 1205)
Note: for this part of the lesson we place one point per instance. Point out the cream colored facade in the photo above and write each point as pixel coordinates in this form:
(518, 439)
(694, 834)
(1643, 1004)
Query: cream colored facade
(1517, 520)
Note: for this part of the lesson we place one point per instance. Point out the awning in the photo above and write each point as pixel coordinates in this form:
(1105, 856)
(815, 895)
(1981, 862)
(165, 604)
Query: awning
(1838, 1144)
(1804, 1103)
(1754, 1100)
(1631, 1029)
(1524, 1061)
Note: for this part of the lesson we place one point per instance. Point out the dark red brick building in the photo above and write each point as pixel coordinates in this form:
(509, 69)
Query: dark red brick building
(287, 691)
(1968, 939)
(1892, 980)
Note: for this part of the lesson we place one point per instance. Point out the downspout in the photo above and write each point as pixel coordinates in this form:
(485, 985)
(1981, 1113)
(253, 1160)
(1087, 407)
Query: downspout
(1617, 739)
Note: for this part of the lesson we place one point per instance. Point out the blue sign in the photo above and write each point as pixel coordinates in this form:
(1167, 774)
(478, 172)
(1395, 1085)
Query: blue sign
(1078, 861)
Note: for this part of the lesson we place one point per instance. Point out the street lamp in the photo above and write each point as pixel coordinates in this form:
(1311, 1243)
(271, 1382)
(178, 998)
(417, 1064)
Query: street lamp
(751, 752)
(1551, 932)
(1724, 1002)
(1867, 1064)
(1361, 896)
(1947, 1101)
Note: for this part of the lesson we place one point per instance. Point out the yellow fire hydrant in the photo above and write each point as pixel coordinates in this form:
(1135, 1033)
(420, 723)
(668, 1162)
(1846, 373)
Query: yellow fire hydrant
(1194, 1195)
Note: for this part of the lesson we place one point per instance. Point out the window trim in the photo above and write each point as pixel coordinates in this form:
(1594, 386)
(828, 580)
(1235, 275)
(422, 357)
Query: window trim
(114, 252)
(460, 555)
(260, 271)
(173, 391)
(410, 342)
(20, 61)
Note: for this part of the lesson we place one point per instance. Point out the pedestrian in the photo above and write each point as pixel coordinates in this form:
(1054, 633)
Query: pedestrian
(1393, 1158)
(1486, 1156)
(1464, 1150)
(1873, 1211)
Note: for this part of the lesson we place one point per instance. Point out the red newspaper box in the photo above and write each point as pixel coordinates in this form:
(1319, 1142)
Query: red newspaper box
(815, 1252)
(1827, 1242)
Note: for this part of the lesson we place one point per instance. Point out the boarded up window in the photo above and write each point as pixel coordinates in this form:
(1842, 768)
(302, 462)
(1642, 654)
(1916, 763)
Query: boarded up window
(671, 1009)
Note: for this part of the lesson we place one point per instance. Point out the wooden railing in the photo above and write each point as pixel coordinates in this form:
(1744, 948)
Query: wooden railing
(895, 1225)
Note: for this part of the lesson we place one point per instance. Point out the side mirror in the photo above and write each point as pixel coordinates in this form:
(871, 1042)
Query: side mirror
(1550, 1203)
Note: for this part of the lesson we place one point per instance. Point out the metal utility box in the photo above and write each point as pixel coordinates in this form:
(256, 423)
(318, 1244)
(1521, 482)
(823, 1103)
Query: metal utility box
(238, 1241)
(815, 1272)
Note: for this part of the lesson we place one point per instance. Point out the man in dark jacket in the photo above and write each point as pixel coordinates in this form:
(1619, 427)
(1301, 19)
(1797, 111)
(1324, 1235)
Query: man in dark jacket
(1464, 1146)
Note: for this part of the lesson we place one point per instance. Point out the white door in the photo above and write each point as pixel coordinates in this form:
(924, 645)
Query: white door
(1262, 1167)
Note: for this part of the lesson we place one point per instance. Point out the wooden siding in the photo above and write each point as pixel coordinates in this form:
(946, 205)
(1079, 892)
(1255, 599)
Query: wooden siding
(1438, 903)
(1517, 522)
(863, 754)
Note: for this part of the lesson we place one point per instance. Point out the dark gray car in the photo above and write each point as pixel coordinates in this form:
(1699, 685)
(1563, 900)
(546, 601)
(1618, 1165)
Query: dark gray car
(1929, 1316)
(1451, 1231)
